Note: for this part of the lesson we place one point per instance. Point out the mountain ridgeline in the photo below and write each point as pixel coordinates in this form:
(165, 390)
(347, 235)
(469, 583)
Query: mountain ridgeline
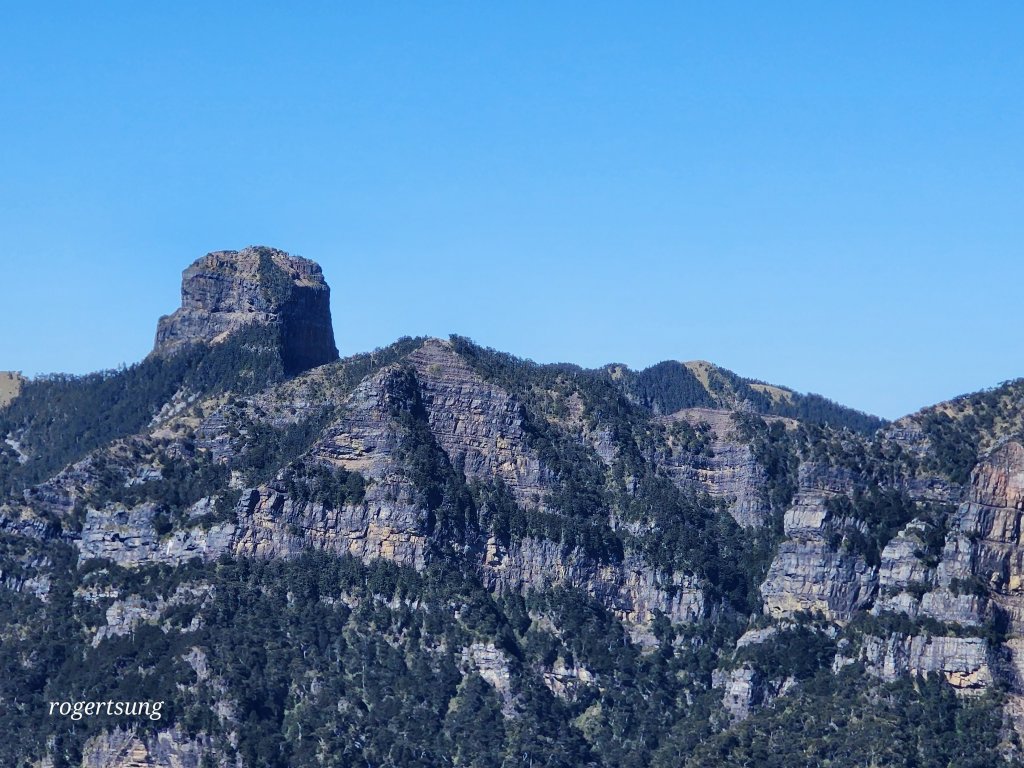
(439, 554)
(673, 386)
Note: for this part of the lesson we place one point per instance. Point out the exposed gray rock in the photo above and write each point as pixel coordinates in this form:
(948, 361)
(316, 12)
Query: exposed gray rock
(124, 748)
(986, 531)
(757, 636)
(30, 576)
(903, 559)
(633, 590)
(492, 665)
(905, 572)
(810, 573)
(124, 615)
(478, 424)
(955, 608)
(727, 470)
(226, 291)
(745, 689)
(564, 680)
(388, 524)
(128, 537)
(963, 661)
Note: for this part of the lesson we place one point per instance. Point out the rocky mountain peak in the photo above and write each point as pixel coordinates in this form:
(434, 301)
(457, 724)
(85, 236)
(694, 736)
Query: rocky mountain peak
(225, 291)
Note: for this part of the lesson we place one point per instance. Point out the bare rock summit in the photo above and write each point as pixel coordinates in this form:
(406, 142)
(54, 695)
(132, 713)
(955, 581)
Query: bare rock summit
(227, 291)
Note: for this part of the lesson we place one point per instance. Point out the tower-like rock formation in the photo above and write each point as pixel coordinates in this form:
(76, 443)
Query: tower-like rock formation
(226, 291)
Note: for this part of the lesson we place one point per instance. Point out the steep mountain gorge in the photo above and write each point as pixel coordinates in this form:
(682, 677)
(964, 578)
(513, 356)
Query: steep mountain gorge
(439, 554)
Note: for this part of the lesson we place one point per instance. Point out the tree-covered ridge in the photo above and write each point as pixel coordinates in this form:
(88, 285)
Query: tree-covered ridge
(960, 430)
(671, 386)
(59, 419)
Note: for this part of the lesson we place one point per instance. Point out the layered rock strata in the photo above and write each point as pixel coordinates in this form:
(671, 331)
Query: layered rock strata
(227, 291)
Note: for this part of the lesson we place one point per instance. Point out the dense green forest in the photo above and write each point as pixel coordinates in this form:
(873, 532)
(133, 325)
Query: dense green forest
(58, 419)
(845, 721)
(367, 664)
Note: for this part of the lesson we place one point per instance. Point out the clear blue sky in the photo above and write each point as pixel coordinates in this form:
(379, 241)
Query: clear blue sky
(826, 197)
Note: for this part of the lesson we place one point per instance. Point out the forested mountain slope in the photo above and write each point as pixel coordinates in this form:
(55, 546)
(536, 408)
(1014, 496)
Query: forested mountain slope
(439, 554)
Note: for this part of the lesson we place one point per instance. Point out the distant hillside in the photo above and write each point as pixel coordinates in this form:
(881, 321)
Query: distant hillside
(671, 386)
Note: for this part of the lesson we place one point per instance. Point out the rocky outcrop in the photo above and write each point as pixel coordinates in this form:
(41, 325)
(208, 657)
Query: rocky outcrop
(744, 689)
(812, 572)
(986, 538)
(478, 424)
(226, 291)
(127, 749)
(963, 661)
(726, 468)
(123, 615)
(491, 664)
(116, 749)
(903, 559)
(128, 536)
(388, 524)
(27, 573)
(908, 581)
(565, 680)
(632, 590)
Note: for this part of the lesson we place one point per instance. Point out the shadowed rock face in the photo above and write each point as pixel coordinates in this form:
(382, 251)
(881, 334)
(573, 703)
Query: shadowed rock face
(226, 291)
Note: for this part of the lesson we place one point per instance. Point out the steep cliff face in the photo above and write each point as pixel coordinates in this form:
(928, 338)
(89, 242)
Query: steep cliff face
(606, 549)
(962, 661)
(985, 542)
(812, 571)
(478, 424)
(720, 463)
(942, 596)
(634, 591)
(226, 291)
